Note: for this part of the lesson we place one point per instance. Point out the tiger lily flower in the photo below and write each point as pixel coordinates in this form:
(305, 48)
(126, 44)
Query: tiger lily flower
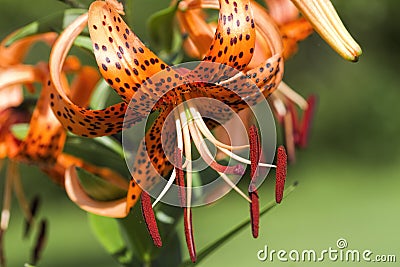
(131, 69)
(196, 30)
(13, 75)
(44, 143)
(284, 101)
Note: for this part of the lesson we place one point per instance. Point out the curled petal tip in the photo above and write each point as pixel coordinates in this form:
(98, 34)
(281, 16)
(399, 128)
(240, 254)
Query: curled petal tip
(323, 16)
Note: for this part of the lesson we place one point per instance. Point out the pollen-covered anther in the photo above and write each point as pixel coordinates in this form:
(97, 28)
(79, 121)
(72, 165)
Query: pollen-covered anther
(281, 170)
(150, 219)
(255, 152)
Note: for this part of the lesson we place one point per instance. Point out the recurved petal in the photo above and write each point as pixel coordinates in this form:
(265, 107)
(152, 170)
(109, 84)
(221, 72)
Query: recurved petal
(292, 33)
(268, 37)
(124, 61)
(282, 11)
(77, 119)
(234, 39)
(115, 208)
(46, 136)
(198, 33)
(323, 16)
(18, 75)
(11, 96)
(15, 53)
(151, 162)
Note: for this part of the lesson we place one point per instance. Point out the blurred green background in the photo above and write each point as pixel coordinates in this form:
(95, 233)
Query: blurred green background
(349, 174)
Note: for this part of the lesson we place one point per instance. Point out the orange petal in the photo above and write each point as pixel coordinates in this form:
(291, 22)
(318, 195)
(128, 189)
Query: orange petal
(268, 37)
(11, 96)
(18, 74)
(199, 33)
(234, 39)
(77, 119)
(15, 53)
(124, 61)
(46, 136)
(292, 33)
(147, 173)
(282, 11)
(115, 209)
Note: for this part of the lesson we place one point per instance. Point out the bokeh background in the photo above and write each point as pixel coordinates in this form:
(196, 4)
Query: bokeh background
(349, 174)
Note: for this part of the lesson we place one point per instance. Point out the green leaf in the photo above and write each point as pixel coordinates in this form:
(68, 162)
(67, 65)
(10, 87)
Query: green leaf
(84, 42)
(20, 130)
(160, 26)
(165, 38)
(55, 22)
(104, 151)
(99, 97)
(107, 231)
(98, 188)
(222, 240)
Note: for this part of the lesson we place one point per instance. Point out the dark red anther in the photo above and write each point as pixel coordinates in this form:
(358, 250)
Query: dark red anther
(255, 152)
(150, 219)
(281, 169)
(187, 220)
(40, 242)
(33, 208)
(2, 255)
(307, 121)
(254, 212)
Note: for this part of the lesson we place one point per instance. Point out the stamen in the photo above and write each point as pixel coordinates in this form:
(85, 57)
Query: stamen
(254, 213)
(206, 132)
(5, 213)
(307, 120)
(166, 188)
(254, 151)
(200, 124)
(254, 158)
(206, 154)
(292, 95)
(40, 242)
(243, 160)
(2, 254)
(189, 234)
(22, 201)
(289, 136)
(295, 122)
(281, 170)
(33, 210)
(150, 219)
(278, 106)
(187, 217)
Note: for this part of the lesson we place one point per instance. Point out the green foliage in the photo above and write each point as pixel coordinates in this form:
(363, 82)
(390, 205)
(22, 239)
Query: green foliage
(108, 233)
(164, 36)
(97, 187)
